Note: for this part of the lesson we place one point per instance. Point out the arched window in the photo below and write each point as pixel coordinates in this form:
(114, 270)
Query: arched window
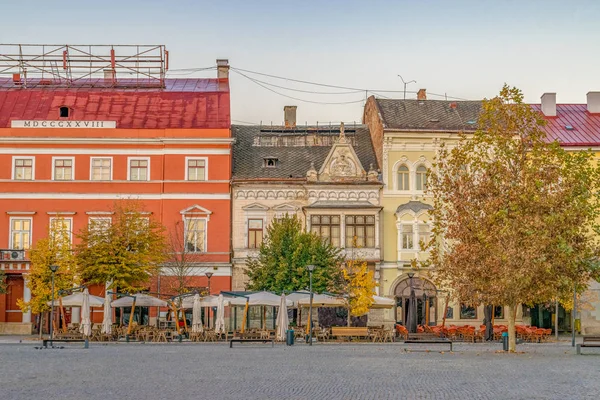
(421, 177)
(403, 178)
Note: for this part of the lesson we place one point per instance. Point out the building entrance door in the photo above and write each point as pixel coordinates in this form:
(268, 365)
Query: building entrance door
(425, 297)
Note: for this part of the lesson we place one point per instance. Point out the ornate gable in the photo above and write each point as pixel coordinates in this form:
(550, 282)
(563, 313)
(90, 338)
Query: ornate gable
(255, 207)
(195, 210)
(342, 163)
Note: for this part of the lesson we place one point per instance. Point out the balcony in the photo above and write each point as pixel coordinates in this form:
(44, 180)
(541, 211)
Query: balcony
(12, 255)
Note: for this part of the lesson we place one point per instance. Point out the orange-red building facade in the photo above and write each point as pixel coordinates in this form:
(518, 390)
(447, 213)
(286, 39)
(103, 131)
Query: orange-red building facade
(169, 148)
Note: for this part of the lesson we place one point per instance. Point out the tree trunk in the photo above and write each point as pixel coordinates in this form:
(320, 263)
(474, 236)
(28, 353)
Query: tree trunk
(349, 321)
(41, 324)
(512, 338)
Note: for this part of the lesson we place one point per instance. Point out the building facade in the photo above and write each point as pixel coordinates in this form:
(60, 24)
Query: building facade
(327, 176)
(71, 150)
(406, 135)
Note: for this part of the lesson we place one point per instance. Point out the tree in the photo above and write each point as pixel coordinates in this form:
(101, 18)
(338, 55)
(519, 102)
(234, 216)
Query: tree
(55, 249)
(179, 265)
(358, 287)
(3, 283)
(123, 252)
(284, 255)
(514, 214)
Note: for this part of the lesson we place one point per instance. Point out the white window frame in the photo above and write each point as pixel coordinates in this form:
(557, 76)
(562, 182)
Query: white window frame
(397, 177)
(416, 172)
(15, 158)
(10, 231)
(254, 218)
(130, 159)
(205, 159)
(92, 168)
(54, 159)
(185, 230)
(90, 219)
(70, 219)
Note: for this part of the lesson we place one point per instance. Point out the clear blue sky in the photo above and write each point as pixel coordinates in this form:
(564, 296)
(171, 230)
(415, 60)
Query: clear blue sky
(466, 49)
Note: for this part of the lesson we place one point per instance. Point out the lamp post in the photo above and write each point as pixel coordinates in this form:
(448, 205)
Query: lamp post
(208, 276)
(53, 269)
(310, 268)
(573, 316)
(411, 306)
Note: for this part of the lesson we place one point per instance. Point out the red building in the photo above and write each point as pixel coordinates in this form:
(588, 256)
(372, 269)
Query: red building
(72, 143)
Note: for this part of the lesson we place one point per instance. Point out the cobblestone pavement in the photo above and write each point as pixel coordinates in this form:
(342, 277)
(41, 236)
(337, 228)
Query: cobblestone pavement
(323, 371)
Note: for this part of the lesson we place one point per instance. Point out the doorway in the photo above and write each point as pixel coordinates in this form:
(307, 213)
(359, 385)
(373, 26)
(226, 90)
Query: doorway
(426, 299)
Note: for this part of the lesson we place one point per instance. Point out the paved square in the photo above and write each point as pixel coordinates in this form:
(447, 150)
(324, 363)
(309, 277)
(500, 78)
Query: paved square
(329, 371)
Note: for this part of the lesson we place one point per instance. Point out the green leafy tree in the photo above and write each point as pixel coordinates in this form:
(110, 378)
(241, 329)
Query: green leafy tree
(284, 255)
(124, 252)
(514, 214)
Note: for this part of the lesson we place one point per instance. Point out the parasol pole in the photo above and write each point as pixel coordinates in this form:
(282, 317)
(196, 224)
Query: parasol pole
(131, 318)
(62, 314)
(245, 319)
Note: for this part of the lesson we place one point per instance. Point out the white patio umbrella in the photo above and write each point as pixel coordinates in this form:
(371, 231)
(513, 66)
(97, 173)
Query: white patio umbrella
(322, 300)
(382, 302)
(141, 300)
(208, 301)
(220, 319)
(107, 320)
(260, 299)
(295, 296)
(197, 315)
(282, 319)
(86, 323)
(76, 300)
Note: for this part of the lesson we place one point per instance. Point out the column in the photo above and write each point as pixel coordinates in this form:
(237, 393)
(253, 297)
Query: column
(26, 299)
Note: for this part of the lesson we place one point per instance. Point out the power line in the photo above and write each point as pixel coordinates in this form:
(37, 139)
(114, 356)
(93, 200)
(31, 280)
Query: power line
(295, 98)
(304, 91)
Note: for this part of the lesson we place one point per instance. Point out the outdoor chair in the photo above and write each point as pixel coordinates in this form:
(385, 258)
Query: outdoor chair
(323, 335)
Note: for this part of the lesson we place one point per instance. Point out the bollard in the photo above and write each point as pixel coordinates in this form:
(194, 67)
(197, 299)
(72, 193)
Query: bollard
(289, 337)
(86, 344)
(505, 341)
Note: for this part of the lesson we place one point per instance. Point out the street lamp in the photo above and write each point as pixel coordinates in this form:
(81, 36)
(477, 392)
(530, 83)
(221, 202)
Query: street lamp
(53, 269)
(411, 307)
(310, 268)
(208, 275)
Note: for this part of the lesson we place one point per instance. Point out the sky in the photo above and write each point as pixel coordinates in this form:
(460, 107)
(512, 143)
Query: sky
(463, 49)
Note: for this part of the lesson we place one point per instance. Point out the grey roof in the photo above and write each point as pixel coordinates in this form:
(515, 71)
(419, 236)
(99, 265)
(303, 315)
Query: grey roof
(432, 115)
(414, 206)
(292, 161)
(341, 204)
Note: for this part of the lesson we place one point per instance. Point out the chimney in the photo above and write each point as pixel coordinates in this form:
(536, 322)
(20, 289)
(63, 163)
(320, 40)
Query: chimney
(422, 94)
(289, 115)
(593, 102)
(549, 104)
(223, 69)
(109, 75)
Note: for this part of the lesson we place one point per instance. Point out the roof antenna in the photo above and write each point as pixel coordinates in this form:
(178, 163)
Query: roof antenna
(406, 83)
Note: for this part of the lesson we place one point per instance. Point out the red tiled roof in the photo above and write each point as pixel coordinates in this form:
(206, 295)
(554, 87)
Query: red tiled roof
(183, 103)
(586, 126)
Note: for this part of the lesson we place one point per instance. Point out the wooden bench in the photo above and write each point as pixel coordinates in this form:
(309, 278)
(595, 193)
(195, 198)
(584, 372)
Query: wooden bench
(349, 332)
(250, 340)
(426, 338)
(589, 341)
(60, 340)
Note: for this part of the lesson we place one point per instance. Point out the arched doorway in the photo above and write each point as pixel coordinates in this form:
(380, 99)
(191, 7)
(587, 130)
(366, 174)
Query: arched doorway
(426, 298)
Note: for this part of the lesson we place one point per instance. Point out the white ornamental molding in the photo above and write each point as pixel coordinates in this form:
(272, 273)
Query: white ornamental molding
(258, 194)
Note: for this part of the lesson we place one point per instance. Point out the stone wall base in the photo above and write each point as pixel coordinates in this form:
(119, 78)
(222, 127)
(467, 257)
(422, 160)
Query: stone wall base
(16, 328)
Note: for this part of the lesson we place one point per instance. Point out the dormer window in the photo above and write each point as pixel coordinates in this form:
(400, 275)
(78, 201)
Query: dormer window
(270, 162)
(64, 112)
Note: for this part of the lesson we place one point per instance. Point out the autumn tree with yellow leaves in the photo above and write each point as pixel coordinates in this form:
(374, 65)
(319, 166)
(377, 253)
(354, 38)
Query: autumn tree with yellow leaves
(357, 286)
(514, 213)
(55, 249)
(124, 251)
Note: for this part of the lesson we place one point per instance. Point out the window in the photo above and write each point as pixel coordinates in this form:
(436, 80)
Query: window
(101, 169)
(403, 178)
(138, 169)
(424, 235)
(326, 227)
(63, 169)
(499, 312)
(421, 178)
(23, 168)
(195, 234)
(99, 224)
(255, 233)
(64, 112)
(468, 312)
(406, 237)
(20, 233)
(59, 226)
(196, 169)
(362, 229)
(270, 162)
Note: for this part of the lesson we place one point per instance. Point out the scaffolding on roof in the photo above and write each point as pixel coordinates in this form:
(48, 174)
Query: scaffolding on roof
(85, 65)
